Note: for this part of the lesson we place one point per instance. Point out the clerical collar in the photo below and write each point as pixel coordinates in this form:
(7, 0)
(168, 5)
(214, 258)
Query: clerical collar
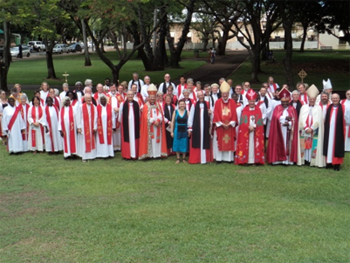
(225, 101)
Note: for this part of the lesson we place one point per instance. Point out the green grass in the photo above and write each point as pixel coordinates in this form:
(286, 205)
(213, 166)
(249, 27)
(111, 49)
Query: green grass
(53, 210)
(318, 65)
(33, 71)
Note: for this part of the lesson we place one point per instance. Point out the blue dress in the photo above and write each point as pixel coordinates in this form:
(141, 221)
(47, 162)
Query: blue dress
(180, 143)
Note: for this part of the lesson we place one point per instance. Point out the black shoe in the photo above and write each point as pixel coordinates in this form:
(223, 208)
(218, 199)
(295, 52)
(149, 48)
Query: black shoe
(218, 162)
(307, 163)
(329, 165)
(337, 167)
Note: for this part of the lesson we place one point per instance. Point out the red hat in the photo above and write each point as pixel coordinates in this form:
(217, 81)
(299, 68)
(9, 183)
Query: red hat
(284, 95)
(251, 95)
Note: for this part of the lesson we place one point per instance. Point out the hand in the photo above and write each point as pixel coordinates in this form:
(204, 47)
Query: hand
(23, 131)
(308, 131)
(210, 112)
(251, 128)
(286, 124)
(189, 134)
(94, 131)
(225, 126)
(116, 110)
(288, 118)
(62, 134)
(114, 129)
(36, 124)
(79, 130)
(156, 123)
(172, 134)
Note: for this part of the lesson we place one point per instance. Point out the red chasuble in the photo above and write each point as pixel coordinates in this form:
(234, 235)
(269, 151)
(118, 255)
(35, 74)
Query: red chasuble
(275, 149)
(146, 130)
(225, 113)
(100, 124)
(242, 152)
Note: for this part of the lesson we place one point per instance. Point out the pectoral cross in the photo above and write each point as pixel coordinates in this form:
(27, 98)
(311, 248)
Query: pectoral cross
(302, 74)
(226, 111)
(226, 138)
(65, 75)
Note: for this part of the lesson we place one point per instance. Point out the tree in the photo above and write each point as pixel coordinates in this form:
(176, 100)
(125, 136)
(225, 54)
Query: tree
(335, 15)
(258, 19)
(12, 13)
(50, 24)
(206, 26)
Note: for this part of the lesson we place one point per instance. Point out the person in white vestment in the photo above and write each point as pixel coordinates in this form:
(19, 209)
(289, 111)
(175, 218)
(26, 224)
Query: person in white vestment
(115, 106)
(67, 126)
(87, 129)
(53, 139)
(13, 127)
(346, 103)
(36, 120)
(44, 91)
(24, 108)
(311, 126)
(105, 127)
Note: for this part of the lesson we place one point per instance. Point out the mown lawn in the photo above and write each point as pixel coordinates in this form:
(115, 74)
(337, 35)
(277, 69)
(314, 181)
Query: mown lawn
(33, 71)
(53, 210)
(317, 64)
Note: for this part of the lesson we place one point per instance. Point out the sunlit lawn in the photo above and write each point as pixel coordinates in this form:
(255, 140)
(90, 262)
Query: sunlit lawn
(113, 210)
(34, 71)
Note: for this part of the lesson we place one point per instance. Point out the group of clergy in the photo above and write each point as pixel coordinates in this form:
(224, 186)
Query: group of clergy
(214, 123)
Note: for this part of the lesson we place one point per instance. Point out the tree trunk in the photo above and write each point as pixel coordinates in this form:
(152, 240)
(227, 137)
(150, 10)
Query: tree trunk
(287, 61)
(305, 26)
(205, 44)
(223, 42)
(255, 60)
(6, 57)
(86, 49)
(51, 74)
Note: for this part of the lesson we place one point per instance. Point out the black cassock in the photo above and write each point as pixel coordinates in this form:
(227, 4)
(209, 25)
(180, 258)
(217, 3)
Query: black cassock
(168, 114)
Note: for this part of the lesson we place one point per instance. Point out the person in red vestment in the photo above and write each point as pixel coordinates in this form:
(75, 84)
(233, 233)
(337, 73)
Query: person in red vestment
(152, 129)
(284, 133)
(225, 120)
(121, 95)
(334, 134)
(199, 129)
(250, 142)
(99, 93)
(129, 119)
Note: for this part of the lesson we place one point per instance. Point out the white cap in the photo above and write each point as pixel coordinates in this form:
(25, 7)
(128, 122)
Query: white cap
(327, 84)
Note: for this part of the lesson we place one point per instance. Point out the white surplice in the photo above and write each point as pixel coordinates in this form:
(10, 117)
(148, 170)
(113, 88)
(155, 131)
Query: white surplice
(39, 137)
(56, 136)
(347, 123)
(15, 141)
(104, 150)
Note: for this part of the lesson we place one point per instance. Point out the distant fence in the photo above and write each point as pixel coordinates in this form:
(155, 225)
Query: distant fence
(238, 46)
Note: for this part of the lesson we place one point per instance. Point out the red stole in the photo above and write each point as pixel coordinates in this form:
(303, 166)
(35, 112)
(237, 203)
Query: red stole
(71, 130)
(304, 98)
(48, 119)
(13, 118)
(88, 130)
(35, 119)
(242, 151)
(225, 113)
(20, 106)
(109, 124)
(57, 102)
(179, 89)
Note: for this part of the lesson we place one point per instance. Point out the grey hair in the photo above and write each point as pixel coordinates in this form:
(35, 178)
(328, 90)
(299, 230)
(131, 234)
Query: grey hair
(65, 99)
(295, 92)
(102, 96)
(160, 93)
(87, 82)
(66, 84)
(189, 80)
(57, 92)
(185, 90)
(79, 82)
(23, 96)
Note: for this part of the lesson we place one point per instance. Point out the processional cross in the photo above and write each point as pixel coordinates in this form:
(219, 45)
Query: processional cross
(302, 74)
(65, 75)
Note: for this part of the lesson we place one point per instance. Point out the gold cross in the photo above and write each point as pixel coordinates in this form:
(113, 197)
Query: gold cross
(226, 111)
(226, 138)
(302, 74)
(65, 75)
